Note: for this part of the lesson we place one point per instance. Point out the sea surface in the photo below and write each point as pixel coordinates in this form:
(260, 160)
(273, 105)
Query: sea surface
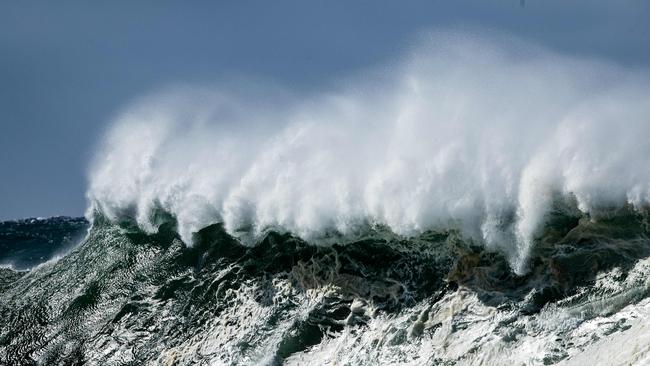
(120, 296)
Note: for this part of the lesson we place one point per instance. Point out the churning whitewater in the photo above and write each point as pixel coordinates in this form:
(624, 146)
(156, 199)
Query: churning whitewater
(481, 201)
(478, 134)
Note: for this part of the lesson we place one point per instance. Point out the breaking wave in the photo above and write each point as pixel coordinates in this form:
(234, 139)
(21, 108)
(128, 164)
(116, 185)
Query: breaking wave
(486, 135)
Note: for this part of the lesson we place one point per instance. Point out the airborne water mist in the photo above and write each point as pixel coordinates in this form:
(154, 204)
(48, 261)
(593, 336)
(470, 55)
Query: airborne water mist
(479, 134)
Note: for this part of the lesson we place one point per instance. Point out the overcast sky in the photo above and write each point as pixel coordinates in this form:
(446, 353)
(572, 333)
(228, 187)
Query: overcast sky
(67, 67)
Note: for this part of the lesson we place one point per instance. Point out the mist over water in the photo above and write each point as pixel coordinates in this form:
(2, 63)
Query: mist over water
(476, 133)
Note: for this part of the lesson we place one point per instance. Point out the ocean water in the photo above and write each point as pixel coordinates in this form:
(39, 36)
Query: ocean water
(481, 201)
(123, 296)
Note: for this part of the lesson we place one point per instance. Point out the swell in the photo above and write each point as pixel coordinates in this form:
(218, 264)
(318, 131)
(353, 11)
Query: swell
(480, 134)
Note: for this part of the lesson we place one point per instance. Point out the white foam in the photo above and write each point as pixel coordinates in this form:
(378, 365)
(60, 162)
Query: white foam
(8, 265)
(468, 131)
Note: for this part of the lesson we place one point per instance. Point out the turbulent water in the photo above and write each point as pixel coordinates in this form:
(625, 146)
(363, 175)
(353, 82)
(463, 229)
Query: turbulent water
(127, 297)
(482, 201)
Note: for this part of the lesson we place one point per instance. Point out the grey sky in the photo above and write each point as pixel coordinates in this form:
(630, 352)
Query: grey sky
(67, 67)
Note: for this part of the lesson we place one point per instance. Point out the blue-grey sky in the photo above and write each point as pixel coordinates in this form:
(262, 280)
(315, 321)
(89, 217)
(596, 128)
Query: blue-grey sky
(67, 67)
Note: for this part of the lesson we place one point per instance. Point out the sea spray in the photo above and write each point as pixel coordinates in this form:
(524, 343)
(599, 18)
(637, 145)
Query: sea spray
(475, 133)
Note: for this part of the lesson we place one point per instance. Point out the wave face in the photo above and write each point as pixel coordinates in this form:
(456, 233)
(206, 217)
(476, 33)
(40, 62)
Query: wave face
(479, 134)
(126, 297)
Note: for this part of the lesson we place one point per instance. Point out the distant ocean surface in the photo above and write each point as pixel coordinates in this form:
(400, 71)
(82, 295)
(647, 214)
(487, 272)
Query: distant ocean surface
(29, 242)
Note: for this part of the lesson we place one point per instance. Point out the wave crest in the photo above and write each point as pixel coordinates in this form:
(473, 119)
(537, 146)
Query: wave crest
(480, 134)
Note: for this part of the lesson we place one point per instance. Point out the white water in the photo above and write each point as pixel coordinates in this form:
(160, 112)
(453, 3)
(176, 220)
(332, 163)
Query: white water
(461, 330)
(467, 131)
